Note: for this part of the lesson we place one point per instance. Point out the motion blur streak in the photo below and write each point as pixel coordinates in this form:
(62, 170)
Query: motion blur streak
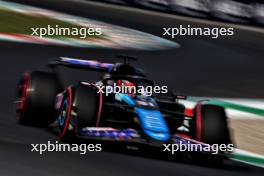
(224, 67)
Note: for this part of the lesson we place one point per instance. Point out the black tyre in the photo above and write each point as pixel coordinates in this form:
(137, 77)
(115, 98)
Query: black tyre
(36, 94)
(211, 127)
(80, 108)
(211, 124)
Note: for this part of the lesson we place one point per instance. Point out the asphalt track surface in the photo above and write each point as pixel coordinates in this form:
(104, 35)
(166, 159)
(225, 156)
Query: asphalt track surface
(224, 67)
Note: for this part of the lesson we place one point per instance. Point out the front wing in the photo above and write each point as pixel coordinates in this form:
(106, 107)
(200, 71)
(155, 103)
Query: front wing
(134, 136)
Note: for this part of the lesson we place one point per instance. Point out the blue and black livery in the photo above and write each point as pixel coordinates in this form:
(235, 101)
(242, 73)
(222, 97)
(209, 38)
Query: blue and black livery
(82, 111)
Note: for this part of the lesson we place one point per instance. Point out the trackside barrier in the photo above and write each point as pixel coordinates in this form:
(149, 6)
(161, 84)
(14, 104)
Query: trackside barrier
(250, 12)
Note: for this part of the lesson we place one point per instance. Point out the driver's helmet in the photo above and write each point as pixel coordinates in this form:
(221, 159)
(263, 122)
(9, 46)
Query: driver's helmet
(128, 87)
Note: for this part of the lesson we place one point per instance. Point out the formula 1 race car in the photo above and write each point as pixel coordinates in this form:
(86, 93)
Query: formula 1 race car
(84, 110)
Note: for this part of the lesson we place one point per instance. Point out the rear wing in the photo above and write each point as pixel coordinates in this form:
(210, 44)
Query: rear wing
(81, 64)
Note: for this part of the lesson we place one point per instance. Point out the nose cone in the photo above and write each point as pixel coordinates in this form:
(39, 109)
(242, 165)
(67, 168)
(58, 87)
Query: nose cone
(158, 136)
(154, 124)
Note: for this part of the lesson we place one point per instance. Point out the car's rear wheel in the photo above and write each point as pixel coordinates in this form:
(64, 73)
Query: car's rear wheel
(36, 93)
(81, 107)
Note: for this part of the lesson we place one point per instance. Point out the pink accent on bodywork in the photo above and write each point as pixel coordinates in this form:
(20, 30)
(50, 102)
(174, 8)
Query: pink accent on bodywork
(100, 108)
(58, 102)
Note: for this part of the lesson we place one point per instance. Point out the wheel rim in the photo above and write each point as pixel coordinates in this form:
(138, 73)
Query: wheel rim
(63, 114)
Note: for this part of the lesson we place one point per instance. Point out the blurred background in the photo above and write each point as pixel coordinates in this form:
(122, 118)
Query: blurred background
(227, 70)
(249, 12)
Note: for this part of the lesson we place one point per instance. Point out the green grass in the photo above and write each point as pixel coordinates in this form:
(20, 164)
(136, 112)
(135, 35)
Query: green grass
(249, 159)
(12, 22)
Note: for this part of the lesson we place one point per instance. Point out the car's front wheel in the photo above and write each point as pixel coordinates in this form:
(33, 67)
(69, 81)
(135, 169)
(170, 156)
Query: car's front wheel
(80, 107)
(211, 127)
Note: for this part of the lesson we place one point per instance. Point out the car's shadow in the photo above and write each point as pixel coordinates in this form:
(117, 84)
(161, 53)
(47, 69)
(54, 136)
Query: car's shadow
(157, 153)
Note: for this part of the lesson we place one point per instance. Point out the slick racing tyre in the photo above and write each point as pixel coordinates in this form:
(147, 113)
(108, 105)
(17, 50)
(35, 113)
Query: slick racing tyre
(36, 93)
(211, 125)
(81, 107)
